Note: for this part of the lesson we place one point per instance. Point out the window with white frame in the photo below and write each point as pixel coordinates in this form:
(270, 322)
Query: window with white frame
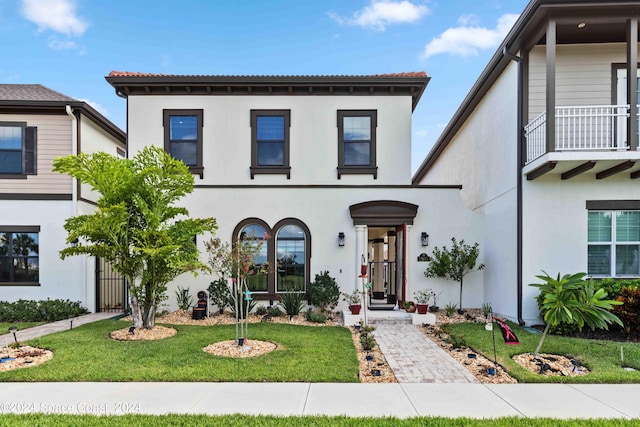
(613, 243)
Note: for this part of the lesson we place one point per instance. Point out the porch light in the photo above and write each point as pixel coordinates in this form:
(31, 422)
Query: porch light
(424, 238)
(341, 239)
(74, 242)
(582, 25)
(13, 329)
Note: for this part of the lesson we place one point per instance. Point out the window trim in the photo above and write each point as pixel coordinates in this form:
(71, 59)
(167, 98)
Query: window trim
(22, 229)
(285, 168)
(24, 167)
(198, 169)
(271, 293)
(371, 168)
(612, 244)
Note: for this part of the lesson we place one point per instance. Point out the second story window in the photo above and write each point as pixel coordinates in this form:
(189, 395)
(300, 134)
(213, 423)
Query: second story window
(357, 142)
(17, 149)
(183, 137)
(270, 142)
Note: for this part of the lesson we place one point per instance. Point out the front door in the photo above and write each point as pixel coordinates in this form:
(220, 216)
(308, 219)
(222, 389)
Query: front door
(401, 263)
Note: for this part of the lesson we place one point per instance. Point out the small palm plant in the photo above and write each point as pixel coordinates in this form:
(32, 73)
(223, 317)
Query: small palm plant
(571, 300)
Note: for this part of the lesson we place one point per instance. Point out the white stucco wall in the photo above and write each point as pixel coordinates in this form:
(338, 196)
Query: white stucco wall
(482, 158)
(325, 211)
(555, 215)
(58, 278)
(313, 135)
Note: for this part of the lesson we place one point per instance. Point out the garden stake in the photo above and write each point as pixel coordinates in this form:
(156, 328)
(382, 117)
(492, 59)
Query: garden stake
(493, 337)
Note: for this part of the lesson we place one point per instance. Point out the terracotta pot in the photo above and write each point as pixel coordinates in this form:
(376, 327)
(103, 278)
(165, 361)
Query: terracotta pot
(422, 308)
(355, 308)
(411, 308)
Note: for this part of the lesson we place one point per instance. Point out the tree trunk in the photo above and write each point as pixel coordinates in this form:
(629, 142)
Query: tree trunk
(460, 306)
(544, 335)
(150, 317)
(134, 305)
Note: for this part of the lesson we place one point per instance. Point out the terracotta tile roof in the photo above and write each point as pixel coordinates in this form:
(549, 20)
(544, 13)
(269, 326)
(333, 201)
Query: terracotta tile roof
(138, 74)
(31, 92)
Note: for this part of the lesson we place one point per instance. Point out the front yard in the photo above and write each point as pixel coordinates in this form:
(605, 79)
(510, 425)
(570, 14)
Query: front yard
(86, 353)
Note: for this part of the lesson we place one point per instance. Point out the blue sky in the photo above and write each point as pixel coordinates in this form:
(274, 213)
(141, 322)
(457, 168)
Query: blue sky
(70, 45)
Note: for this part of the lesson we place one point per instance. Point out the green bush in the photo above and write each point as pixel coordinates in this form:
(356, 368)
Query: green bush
(613, 287)
(261, 310)
(219, 294)
(315, 316)
(49, 310)
(324, 291)
(272, 311)
(292, 302)
(184, 300)
(629, 311)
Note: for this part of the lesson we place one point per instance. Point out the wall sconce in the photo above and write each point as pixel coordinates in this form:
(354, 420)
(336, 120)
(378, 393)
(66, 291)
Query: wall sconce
(341, 239)
(424, 238)
(74, 243)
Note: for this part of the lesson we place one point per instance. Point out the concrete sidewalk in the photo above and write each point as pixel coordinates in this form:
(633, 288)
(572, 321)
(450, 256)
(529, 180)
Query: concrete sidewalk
(285, 399)
(59, 326)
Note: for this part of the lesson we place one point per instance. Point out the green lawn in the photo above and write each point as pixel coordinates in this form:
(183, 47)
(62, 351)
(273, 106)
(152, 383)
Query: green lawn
(4, 326)
(602, 358)
(44, 420)
(86, 353)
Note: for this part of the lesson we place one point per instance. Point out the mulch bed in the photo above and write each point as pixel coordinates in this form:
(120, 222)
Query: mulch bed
(250, 348)
(25, 357)
(141, 334)
(373, 365)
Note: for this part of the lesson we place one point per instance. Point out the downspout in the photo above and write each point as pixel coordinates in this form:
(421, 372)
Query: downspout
(74, 189)
(520, 142)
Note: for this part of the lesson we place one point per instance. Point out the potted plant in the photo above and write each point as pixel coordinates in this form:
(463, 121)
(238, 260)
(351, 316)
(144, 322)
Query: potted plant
(409, 306)
(354, 300)
(433, 308)
(422, 299)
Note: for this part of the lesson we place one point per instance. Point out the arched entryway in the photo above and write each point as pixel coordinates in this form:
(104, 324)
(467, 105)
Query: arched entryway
(381, 235)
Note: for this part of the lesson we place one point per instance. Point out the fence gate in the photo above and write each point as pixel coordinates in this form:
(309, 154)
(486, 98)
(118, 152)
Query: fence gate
(111, 292)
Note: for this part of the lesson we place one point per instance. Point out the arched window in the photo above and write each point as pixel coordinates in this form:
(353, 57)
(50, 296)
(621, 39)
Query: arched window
(255, 231)
(288, 252)
(293, 252)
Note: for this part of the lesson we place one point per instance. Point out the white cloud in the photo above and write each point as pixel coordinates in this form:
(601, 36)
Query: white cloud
(102, 110)
(381, 13)
(467, 40)
(421, 133)
(56, 15)
(57, 44)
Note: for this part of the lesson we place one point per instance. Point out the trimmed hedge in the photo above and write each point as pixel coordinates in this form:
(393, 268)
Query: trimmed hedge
(48, 310)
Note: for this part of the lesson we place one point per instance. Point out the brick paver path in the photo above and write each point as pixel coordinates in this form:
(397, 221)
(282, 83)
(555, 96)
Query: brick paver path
(414, 358)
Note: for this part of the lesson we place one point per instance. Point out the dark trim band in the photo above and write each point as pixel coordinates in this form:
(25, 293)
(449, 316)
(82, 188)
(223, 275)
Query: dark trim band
(34, 196)
(613, 205)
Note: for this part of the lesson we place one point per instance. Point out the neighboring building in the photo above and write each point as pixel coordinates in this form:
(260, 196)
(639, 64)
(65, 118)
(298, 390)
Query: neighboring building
(37, 125)
(320, 163)
(556, 192)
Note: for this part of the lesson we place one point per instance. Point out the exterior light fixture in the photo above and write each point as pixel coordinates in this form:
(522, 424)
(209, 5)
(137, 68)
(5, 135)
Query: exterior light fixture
(424, 238)
(341, 239)
(13, 329)
(74, 242)
(582, 25)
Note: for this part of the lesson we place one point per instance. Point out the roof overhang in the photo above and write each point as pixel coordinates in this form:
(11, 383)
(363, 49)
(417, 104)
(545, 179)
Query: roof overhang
(409, 84)
(383, 213)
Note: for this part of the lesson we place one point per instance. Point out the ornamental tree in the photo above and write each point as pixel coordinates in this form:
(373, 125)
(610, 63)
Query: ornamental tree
(136, 226)
(455, 263)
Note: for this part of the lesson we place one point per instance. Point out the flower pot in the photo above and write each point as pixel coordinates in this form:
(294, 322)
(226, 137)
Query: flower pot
(434, 309)
(355, 308)
(422, 308)
(240, 342)
(409, 306)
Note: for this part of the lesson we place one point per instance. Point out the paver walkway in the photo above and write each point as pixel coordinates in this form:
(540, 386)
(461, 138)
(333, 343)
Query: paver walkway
(59, 326)
(414, 358)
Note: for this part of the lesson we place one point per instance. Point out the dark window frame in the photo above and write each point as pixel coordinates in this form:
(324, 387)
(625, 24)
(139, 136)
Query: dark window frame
(285, 168)
(272, 293)
(371, 168)
(198, 168)
(15, 229)
(28, 148)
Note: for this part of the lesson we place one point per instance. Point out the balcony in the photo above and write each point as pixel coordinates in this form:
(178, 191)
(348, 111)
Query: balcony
(585, 137)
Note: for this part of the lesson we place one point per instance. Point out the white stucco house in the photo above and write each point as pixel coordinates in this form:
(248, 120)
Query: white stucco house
(37, 125)
(556, 191)
(320, 163)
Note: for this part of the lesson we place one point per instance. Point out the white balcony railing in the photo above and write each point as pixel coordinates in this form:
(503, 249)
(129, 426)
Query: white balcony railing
(600, 127)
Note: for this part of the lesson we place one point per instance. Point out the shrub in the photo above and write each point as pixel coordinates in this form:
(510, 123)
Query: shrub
(274, 311)
(292, 302)
(261, 310)
(629, 311)
(613, 287)
(183, 298)
(49, 310)
(219, 293)
(450, 309)
(324, 291)
(456, 341)
(367, 341)
(315, 316)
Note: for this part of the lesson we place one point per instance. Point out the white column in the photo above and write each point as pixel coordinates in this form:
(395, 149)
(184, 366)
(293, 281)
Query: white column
(378, 258)
(391, 257)
(361, 249)
(408, 261)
